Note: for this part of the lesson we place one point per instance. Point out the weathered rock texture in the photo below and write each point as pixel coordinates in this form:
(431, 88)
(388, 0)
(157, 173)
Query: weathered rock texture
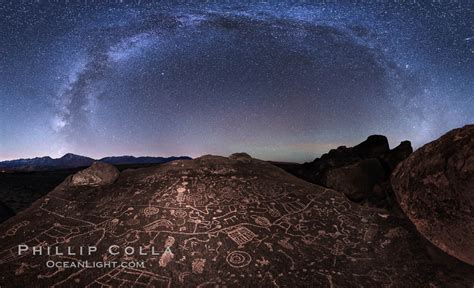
(435, 188)
(218, 222)
(361, 172)
(97, 174)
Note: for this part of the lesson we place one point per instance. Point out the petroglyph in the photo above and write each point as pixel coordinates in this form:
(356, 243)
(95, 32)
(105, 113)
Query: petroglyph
(12, 231)
(241, 235)
(238, 259)
(158, 223)
(150, 211)
(198, 265)
(262, 221)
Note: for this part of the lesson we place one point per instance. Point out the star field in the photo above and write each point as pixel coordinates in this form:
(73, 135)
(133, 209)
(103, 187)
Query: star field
(280, 80)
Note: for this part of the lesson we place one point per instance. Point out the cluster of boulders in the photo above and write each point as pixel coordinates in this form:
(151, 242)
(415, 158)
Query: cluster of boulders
(361, 172)
(433, 186)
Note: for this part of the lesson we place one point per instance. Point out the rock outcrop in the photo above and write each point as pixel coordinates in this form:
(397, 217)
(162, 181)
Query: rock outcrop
(361, 172)
(96, 175)
(435, 188)
(215, 221)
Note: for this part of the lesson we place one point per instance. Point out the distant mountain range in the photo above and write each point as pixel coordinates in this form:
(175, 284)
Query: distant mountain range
(74, 161)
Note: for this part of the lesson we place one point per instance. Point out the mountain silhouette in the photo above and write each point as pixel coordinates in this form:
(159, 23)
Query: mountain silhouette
(71, 160)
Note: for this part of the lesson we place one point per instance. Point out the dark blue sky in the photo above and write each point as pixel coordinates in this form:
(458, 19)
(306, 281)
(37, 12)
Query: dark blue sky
(279, 80)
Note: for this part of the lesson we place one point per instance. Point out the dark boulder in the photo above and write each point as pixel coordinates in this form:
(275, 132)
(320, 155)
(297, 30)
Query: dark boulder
(435, 189)
(96, 175)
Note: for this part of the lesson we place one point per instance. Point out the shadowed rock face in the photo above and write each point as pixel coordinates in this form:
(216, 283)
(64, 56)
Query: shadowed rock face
(218, 222)
(435, 188)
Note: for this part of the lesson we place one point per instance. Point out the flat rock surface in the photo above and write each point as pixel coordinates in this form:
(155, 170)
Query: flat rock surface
(435, 188)
(217, 222)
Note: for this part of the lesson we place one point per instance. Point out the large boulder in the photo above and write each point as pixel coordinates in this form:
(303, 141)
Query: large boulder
(96, 175)
(435, 188)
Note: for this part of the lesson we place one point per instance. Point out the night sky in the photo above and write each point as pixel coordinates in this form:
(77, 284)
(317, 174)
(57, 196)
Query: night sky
(280, 80)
